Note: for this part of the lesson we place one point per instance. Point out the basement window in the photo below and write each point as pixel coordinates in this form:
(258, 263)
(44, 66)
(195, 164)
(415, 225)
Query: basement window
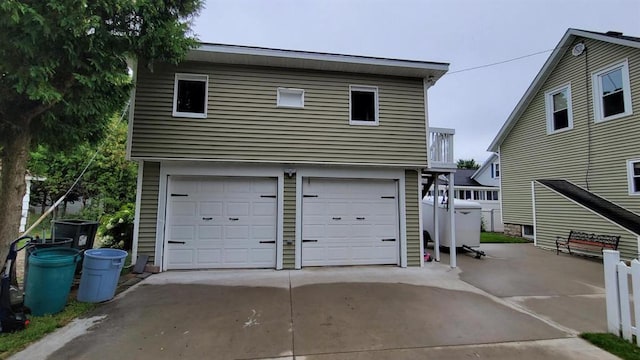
(363, 105)
(190, 93)
(559, 112)
(633, 169)
(611, 92)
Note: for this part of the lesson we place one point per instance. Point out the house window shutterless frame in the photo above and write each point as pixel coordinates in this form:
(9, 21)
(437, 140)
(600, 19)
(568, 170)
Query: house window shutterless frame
(612, 92)
(633, 174)
(190, 95)
(290, 98)
(363, 105)
(558, 109)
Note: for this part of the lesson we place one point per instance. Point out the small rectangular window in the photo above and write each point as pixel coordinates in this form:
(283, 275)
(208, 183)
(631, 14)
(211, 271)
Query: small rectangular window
(527, 231)
(612, 93)
(190, 95)
(363, 105)
(291, 98)
(495, 170)
(633, 168)
(559, 111)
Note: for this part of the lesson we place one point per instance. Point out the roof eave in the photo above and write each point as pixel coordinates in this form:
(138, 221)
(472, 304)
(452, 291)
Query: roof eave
(231, 54)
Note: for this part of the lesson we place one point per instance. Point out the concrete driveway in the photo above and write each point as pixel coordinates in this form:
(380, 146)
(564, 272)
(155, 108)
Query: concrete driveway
(342, 313)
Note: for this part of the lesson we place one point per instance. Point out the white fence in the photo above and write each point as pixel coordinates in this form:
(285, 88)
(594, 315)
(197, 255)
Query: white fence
(492, 220)
(617, 276)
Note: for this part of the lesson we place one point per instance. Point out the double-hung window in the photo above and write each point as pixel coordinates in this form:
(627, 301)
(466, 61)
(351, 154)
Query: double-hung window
(190, 93)
(633, 173)
(363, 105)
(495, 170)
(612, 92)
(559, 112)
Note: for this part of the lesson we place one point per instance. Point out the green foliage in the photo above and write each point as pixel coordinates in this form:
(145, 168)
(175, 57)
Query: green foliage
(64, 71)
(116, 231)
(467, 164)
(613, 344)
(109, 182)
(40, 326)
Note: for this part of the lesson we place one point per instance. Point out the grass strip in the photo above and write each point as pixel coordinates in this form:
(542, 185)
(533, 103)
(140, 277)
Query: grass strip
(613, 344)
(500, 238)
(40, 326)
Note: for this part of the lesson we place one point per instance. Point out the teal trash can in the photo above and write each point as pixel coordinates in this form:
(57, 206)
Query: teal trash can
(51, 272)
(100, 274)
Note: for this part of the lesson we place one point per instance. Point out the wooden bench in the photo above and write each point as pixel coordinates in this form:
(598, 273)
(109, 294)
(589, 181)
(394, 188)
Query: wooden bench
(585, 241)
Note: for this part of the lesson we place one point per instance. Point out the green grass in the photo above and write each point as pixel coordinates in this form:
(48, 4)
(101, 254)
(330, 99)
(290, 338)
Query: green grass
(613, 344)
(40, 326)
(500, 238)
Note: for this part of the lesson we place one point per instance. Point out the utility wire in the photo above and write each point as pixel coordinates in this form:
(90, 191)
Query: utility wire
(499, 62)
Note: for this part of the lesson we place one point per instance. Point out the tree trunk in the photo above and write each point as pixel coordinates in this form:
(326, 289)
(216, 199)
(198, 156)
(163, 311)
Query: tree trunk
(12, 187)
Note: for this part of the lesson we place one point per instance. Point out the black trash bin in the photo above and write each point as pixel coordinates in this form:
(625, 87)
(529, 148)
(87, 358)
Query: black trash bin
(38, 244)
(83, 232)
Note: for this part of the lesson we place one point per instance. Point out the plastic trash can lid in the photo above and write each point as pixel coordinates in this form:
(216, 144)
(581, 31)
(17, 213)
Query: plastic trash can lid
(105, 253)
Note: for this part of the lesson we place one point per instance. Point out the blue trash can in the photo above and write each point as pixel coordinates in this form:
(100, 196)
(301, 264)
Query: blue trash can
(100, 274)
(50, 278)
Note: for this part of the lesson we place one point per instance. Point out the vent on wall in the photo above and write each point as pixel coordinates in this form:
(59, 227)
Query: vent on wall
(578, 49)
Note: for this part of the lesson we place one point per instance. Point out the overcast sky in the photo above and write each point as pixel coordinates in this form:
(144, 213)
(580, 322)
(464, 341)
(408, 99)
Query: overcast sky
(464, 33)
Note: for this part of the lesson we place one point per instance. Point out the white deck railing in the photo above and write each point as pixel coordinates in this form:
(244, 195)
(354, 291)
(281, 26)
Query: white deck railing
(619, 300)
(441, 148)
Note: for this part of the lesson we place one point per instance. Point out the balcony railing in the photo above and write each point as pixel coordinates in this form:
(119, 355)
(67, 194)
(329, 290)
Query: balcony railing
(441, 148)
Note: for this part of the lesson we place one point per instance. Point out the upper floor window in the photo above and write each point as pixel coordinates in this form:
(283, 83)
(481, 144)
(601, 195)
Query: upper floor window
(495, 170)
(559, 112)
(190, 93)
(291, 98)
(612, 92)
(633, 169)
(363, 105)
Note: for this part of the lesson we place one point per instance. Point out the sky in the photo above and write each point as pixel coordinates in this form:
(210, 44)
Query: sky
(464, 33)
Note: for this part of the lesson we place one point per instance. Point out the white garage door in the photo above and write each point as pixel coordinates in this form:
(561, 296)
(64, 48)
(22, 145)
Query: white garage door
(349, 222)
(221, 223)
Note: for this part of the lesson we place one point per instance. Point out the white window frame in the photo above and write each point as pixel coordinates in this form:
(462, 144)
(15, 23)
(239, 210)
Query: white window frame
(290, 91)
(364, 88)
(190, 77)
(495, 170)
(548, 100)
(597, 91)
(630, 177)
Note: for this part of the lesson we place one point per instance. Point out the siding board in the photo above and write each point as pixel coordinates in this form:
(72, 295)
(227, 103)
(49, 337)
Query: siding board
(413, 218)
(289, 219)
(244, 123)
(149, 209)
(591, 155)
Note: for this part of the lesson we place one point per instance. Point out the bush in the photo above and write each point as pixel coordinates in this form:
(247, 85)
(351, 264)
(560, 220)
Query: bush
(116, 231)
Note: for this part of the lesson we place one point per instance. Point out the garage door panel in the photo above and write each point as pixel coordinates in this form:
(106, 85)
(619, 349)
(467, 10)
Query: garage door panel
(210, 232)
(185, 232)
(349, 219)
(184, 208)
(221, 222)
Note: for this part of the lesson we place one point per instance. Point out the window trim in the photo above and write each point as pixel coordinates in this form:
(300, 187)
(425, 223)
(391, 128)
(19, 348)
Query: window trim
(364, 88)
(548, 102)
(495, 170)
(596, 84)
(630, 177)
(292, 91)
(190, 77)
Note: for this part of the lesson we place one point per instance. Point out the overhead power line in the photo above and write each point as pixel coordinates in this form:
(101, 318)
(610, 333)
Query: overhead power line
(499, 62)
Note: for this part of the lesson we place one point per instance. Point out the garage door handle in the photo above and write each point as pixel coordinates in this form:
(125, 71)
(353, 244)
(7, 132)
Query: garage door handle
(360, 218)
(388, 239)
(207, 218)
(176, 242)
(309, 240)
(268, 242)
(233, 219)
(337, 218)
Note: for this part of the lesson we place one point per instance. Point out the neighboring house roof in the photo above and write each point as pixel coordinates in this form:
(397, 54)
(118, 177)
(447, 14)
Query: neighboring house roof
(247, 55)
(486, 165)
(463, 178)
(595, 203)
(547, 69)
